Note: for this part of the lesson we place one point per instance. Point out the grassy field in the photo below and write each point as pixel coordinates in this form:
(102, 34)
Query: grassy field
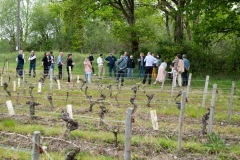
(97, 141)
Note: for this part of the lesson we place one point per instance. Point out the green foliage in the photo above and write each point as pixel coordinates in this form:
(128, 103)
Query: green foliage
(8, 123)
(215, 144)
(204, 61)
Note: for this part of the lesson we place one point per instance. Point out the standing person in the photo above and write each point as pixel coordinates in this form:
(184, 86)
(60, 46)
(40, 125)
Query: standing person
(130, 67)
(186, 68)
(161, 72)
(32, 59)
(122, 68)
(111, 62)
(154, 75)
(101, 67)
(70, 65)
(150, 60)
(141, 66)
(125, 54)
(91, 59)
(45, 64)
(49, 64)
(159, 60)
(20, 63)
(178, 70)
(52, 59)
(88, 69)
(60, 65)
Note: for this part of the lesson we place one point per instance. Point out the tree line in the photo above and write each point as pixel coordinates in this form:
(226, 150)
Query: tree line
(207, 31)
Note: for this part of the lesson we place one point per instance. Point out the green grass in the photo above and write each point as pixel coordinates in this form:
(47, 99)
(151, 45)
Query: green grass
(163, 103)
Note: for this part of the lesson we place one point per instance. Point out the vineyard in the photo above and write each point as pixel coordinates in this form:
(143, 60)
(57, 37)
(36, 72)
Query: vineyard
(88, 121)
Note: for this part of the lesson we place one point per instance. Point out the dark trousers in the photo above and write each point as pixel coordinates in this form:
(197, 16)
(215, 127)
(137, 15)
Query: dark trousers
(59, 71)
(120, 74)
(69, 76)
(32, 67)
(185, 77)
(45, 70)
(148, 72)
(20, 69)
(110, 70)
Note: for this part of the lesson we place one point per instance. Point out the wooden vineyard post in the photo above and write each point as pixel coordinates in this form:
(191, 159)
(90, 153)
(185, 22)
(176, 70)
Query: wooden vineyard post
(19, 83)
(188, 85)
(231, 101)
(39, 87)
(23, 87)
(36, 145)
(1, 81)
(128, 132)
(59, 86)
(51, 78)
(154, 119)
(212, 108)
(14, 86)
(62, 72)
(69, 110)
(180, 124)
(10, 108)
(205, 91)
(163, 82)
(173, 81)
(70, 73)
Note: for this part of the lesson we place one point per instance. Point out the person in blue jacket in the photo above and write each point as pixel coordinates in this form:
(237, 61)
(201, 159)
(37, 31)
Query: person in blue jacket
(111, 63)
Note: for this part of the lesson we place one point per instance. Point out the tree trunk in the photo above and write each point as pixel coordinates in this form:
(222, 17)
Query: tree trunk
(188, 29)
(167, 25)
(178, 28)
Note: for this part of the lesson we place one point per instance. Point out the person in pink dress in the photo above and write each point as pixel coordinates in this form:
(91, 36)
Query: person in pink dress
(161, 72)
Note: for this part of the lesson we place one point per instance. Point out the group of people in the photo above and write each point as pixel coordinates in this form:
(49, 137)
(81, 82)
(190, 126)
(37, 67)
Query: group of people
(148, 66)
(48, 63)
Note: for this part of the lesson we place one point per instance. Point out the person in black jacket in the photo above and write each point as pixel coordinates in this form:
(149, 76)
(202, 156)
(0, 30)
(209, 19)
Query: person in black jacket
(70, 65)
(91, 59)
(45, 64)
(130, 67)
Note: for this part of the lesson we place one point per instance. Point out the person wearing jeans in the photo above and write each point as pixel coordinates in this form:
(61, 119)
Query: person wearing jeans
(130, 67)
(111, 60)
(32, 60)
(60, 65)
(141, 66)
(52, 58)
(186, 68)
(88, 69)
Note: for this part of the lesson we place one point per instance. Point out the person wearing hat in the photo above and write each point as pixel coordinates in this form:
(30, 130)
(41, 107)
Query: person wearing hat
(101, 67)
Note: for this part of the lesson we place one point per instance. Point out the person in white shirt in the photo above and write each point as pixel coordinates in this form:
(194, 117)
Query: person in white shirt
(101, 67)
(161, 72)
(150, 60)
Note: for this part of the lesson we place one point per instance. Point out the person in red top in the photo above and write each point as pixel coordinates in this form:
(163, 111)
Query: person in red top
(88, 69)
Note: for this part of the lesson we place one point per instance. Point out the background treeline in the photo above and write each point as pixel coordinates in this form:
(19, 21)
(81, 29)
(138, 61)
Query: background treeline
(207, 31)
